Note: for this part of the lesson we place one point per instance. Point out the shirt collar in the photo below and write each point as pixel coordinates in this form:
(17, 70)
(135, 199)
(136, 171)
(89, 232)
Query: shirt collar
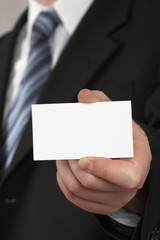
(70, 12)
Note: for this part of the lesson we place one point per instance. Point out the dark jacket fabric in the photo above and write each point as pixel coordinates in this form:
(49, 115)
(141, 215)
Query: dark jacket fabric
(115, 49)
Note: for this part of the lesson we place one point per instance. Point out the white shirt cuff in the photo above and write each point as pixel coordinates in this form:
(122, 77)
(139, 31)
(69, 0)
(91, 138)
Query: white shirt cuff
(125, 217)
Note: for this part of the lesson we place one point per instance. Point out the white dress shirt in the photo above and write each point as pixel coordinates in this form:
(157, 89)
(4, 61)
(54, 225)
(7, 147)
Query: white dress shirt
(70, 12)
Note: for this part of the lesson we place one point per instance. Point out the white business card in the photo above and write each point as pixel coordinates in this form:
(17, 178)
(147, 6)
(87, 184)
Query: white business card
(75, 130)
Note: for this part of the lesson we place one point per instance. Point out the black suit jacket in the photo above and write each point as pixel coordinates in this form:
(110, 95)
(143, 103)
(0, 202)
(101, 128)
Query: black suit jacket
(116, 49)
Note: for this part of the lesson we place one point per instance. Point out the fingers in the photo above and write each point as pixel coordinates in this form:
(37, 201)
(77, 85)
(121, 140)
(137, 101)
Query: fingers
(88, 96)
(116, 171)
(76, 188)
(104, 185)
(103, 202)
(90, 181)
(125, 173)
(141, 142)
(82, 203)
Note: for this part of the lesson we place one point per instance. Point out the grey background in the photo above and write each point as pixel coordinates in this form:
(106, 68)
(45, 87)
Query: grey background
(10, 10)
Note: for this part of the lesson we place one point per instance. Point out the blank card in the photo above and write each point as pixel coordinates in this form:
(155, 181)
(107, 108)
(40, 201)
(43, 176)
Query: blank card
(75, 130)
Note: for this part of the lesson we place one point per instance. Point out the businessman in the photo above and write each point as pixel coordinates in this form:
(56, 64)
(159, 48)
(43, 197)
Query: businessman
(113, 49)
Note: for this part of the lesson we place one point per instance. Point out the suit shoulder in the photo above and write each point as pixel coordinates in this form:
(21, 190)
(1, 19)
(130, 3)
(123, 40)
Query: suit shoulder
(4, 38)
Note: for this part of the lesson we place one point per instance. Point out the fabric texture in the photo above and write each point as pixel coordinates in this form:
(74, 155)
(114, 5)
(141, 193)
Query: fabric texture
(36, 74)
(115, 49)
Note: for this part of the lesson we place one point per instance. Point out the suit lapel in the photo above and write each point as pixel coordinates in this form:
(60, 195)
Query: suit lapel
(86, 52)
(6, 55)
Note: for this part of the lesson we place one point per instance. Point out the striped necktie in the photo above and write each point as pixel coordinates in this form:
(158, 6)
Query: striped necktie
(35, 76)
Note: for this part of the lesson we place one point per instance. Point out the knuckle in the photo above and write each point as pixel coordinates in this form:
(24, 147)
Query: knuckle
(68, 195)
(133, 179)
(74, 187)
(88, 182)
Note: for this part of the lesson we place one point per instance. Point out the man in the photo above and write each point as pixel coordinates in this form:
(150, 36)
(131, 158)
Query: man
(112, 46)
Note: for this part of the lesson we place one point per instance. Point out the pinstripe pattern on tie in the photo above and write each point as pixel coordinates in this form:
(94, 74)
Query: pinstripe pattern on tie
(36, 74)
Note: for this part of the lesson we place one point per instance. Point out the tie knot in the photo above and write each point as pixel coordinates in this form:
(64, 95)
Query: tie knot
(45, 25)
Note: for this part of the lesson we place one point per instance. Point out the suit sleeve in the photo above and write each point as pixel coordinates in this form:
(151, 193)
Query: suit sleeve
(151, 217)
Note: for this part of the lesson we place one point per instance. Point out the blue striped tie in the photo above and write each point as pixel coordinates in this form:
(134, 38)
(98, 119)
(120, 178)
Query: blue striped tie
(36, 74)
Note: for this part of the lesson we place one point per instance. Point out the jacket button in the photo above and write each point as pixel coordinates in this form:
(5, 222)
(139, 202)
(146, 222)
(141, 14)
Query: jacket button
(10, 200)
(155, 235)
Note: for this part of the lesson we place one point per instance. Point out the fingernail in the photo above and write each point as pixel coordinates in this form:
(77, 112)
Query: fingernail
(86, 164)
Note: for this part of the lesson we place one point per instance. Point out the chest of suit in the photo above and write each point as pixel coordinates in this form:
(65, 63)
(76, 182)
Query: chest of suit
(114, 50)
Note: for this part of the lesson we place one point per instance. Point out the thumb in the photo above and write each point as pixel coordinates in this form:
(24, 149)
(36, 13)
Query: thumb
(90, 96)
(121, 172)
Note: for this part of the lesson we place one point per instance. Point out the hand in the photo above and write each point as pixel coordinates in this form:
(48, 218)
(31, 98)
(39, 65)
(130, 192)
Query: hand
(104, 185)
